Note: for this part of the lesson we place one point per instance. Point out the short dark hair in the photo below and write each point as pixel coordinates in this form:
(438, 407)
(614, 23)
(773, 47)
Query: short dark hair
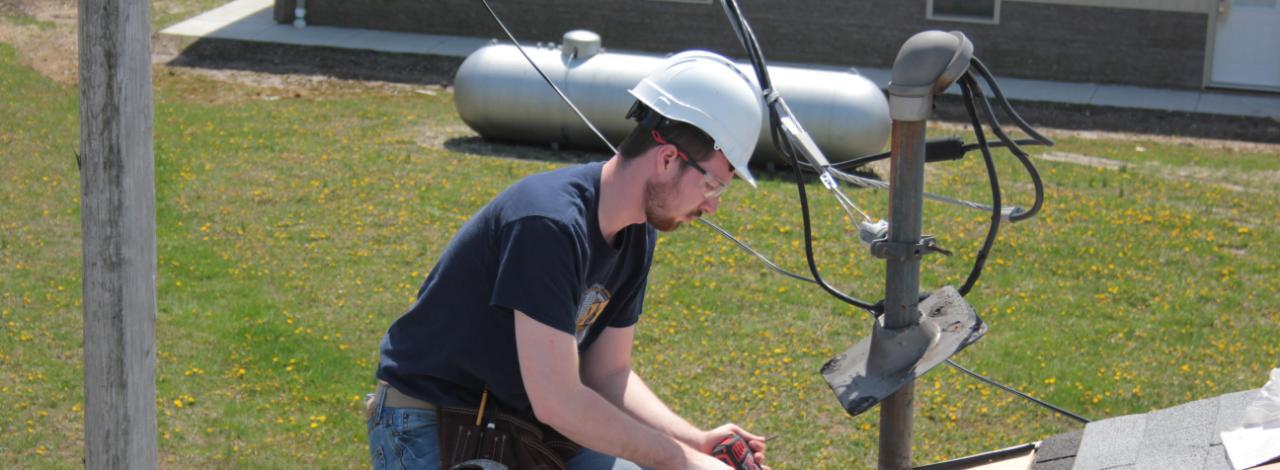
(692, 141)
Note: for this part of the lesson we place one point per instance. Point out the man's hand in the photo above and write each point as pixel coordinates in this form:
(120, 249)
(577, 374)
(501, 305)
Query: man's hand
(714, 436)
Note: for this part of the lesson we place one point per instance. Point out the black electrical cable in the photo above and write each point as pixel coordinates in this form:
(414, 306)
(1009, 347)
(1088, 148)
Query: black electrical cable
(1013, 147)
(748, 39)
(1009, 389)
(966, 84)
(1022, 157)
(744, 35)
(973, 146)
(789, 151)
(1004, 103)
(947, 148)
(875, 157)
(780, 141)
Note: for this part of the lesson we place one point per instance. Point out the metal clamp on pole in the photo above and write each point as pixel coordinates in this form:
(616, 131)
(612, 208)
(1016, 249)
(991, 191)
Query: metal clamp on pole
(905, 343)
(887, 250)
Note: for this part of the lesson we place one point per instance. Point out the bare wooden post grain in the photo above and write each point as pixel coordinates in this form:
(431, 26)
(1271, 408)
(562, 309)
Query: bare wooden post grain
(117, 202)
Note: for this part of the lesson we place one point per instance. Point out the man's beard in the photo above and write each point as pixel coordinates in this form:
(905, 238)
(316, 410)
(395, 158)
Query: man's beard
(655, 212)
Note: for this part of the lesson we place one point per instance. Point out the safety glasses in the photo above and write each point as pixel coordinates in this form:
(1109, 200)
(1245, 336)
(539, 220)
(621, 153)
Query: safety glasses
(712, 185)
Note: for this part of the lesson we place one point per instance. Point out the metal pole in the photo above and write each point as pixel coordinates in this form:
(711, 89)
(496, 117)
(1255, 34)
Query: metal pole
(927, 64)
(902, 281)
(906, 204)
(117, 203)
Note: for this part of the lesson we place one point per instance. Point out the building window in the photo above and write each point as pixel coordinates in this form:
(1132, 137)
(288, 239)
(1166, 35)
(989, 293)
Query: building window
(970, 11)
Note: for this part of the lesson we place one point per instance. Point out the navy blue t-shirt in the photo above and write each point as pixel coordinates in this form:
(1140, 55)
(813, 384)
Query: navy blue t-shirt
(536, 248)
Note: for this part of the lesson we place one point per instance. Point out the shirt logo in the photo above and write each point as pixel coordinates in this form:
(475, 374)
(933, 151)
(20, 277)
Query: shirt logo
(593, 303)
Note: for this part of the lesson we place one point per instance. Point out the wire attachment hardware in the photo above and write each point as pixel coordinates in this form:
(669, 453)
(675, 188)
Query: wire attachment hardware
(870, 232)
(884, 249)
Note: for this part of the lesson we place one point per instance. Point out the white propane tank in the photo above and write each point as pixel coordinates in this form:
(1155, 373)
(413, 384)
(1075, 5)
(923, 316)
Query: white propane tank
(501, 97)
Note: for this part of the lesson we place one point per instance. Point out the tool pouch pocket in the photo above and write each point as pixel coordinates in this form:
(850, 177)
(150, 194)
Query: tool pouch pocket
(511, 441)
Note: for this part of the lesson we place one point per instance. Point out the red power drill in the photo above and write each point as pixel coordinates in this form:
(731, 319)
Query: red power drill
(734, 452)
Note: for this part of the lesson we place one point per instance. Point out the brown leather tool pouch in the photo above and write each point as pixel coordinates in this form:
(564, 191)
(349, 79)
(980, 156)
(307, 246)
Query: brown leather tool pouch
(506, 439)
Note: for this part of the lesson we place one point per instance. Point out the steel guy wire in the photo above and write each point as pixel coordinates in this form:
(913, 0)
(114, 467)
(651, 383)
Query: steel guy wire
(877, 184)
(846, 204)
(765, 260)
(1009, 389)
(548, 79)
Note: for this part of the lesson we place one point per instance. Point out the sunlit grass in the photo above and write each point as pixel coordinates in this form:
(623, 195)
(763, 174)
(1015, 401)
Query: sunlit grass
(291, 232)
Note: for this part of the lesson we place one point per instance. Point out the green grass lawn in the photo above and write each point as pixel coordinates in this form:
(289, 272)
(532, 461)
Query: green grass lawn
(292, 231)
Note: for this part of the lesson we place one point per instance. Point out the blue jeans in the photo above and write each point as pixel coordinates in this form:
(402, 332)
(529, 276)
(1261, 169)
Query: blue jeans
(403, 438)
(408, 438)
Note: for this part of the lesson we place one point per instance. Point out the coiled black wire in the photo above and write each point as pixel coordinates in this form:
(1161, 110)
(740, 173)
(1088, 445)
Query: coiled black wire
(967, 83)
(1013, 147)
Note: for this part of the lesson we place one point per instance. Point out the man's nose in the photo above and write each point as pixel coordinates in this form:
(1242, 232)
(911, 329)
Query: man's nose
(709, 205)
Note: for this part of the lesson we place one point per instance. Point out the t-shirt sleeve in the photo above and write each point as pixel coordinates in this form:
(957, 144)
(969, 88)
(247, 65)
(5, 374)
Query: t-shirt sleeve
(539, 269)
(633, 302)
(629, 312)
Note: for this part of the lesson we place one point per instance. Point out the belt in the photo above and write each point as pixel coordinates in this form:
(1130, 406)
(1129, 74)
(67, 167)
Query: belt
(395, 399)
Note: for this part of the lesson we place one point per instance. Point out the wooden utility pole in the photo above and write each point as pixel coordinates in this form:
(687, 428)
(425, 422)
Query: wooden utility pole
(117, 202)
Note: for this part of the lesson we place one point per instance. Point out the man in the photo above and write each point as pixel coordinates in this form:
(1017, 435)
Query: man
(532, 306)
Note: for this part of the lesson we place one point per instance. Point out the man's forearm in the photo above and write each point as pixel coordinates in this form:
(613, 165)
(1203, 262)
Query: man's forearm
(590, 420)
(561, 399)
(628, 391)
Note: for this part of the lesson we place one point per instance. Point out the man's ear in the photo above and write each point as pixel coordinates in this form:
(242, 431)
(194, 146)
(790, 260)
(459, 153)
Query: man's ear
(664, 156)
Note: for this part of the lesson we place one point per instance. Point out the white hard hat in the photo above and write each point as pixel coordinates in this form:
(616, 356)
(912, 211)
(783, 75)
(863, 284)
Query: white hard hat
(708, 91)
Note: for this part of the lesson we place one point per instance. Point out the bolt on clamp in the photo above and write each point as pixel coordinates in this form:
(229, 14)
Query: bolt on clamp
(884, 249)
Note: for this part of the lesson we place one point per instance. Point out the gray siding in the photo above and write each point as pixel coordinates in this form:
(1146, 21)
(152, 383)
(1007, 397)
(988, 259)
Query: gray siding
(1194, 6)
(1033, 40)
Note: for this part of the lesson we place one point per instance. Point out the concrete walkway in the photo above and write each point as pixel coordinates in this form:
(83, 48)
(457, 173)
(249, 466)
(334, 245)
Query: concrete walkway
(250, 20)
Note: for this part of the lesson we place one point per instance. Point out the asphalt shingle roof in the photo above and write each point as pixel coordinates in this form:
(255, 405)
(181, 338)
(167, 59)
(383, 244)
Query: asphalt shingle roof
(1057, 452)
(1184, 437)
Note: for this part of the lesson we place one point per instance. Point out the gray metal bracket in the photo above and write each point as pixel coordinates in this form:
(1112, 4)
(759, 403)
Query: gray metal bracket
(884, 249)
(878, 365)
